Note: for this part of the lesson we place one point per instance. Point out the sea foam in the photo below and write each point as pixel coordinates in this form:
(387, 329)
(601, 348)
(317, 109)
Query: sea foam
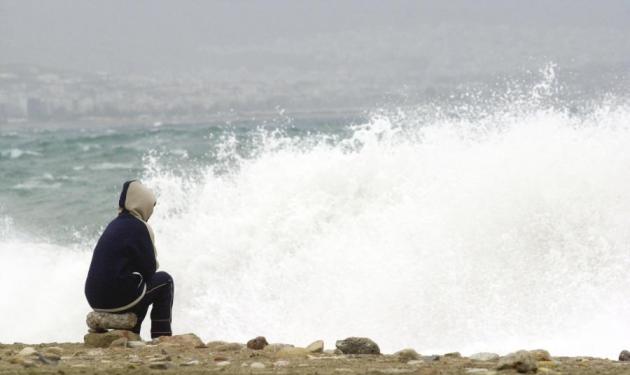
(494, 232)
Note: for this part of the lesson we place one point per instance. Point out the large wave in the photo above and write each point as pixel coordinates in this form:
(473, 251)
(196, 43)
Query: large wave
(499, 231)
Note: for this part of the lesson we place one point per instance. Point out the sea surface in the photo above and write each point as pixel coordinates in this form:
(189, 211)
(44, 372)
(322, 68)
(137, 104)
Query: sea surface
(489, 223)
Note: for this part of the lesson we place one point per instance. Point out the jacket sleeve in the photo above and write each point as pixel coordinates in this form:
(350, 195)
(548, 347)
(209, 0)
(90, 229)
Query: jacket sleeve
(144, 254)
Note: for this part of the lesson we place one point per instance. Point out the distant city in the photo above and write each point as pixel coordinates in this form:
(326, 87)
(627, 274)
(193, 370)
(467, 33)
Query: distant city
(35, 94)
(32, 94)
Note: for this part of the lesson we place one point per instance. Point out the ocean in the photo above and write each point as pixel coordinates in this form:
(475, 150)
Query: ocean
(464, 224)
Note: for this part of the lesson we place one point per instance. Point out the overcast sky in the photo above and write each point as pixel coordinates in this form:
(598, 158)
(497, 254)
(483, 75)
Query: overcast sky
(381, 39)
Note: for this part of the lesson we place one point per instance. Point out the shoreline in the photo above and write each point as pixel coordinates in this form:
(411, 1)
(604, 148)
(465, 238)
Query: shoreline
(188, 354)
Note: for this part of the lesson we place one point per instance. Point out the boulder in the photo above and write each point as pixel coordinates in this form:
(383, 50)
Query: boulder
(189, 340)
(407, 355)
(624, 356)
(484, 356)
(358, 345)
(257, 343)
(316, 347)
(104, 340)
(521, 361)
(540, 355)
(99, 321)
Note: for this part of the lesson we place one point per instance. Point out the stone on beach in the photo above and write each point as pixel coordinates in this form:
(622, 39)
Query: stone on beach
(104, 340)
(189, 339)
(522, 361)
(257, 343)
(407, 355)
(316, 347)
(358, 345)
(624, 356)
(540, 355)
(99, 321)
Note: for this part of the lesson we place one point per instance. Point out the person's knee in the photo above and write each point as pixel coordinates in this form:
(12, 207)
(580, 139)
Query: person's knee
(162, 277)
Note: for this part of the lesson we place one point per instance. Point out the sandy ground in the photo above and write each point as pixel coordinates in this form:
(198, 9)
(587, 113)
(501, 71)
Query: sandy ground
(74, 358)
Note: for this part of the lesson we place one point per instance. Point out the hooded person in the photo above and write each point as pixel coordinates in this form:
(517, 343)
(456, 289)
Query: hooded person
(123, 274)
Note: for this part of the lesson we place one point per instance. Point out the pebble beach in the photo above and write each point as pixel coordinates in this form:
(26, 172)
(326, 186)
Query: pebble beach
(118, 352)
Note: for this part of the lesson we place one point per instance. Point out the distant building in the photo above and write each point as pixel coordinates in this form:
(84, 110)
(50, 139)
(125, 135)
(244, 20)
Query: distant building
(36, 109)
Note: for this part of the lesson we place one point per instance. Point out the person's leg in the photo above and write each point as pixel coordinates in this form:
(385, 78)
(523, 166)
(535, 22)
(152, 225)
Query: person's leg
(160, 291)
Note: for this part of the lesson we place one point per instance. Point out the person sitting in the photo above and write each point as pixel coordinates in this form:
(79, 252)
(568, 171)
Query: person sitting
(123, 274)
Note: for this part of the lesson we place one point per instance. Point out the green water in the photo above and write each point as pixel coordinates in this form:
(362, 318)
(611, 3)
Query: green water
(62, 182)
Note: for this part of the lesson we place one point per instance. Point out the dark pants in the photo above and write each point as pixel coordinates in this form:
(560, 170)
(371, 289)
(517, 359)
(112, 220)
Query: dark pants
(160, 292)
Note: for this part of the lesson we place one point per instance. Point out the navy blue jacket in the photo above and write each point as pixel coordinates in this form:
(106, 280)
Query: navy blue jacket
(123, 259)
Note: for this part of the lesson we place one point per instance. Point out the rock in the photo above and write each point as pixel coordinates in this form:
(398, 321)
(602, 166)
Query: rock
(136, 344)
(477, 371)
(484, 356)
(99, 321)
(223, 363)
(281, 364)
(358, 345)
(160, 365)
(103, 340)
(189, 340)
(624, 356)
(28, 351)
(257, 343)
(407, 355)
(257, 365)
(522, 361)
(119, 343)
(316, 347)
(415, 362)
(194, 362)
(289, 352)
(219, 358)
(274, 348)
(540, 355)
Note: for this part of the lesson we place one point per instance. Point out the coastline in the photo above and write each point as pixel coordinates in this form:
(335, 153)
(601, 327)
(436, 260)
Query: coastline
(187, 354)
